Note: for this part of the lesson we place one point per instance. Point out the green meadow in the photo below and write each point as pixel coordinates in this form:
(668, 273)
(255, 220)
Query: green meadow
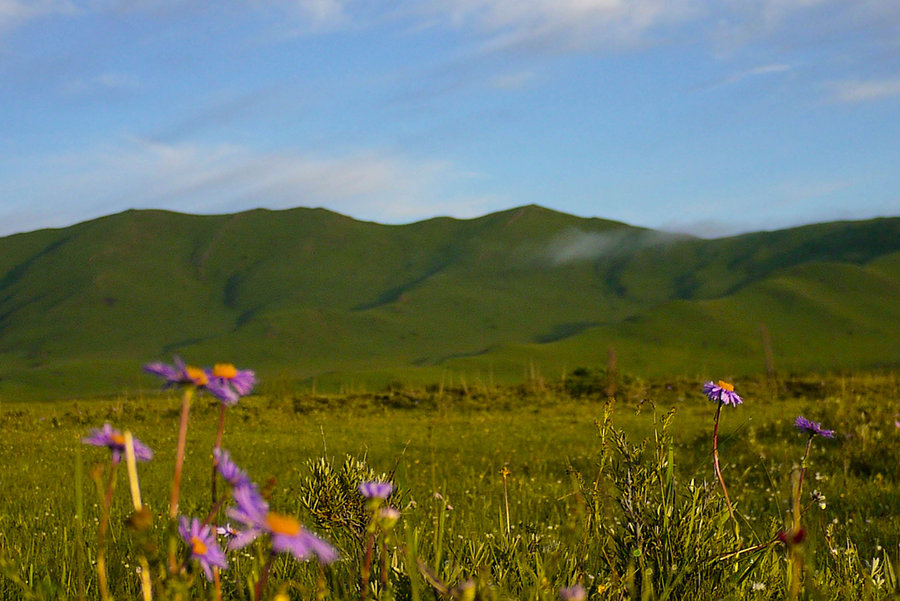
(448, 357)
(317, 300)
(505, 492)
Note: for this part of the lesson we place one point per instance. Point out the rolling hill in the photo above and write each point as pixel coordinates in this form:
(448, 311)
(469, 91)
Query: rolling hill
(307, 293)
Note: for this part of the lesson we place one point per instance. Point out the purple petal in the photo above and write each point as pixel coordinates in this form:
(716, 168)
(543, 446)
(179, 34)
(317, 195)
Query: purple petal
(222, 391)
(376, 489)
(244, 381)
(244, 538)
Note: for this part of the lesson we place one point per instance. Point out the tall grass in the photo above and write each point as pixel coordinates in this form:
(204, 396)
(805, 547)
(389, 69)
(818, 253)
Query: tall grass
(618, 496)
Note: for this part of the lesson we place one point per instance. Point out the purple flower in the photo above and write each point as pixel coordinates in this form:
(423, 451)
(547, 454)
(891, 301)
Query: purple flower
(722, 392)
(286, 533)
(387, 517)
(202, 541)
(238, 381)
(180, 374)
(812, 428)
(376, 490)
(111, 438)
(573, 593)
(229, 470)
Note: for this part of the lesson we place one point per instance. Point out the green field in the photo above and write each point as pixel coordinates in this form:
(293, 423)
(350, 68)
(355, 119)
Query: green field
(581, 509)
(311, 298)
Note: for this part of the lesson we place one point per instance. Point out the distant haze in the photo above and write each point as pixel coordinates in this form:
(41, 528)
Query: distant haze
(578, 245)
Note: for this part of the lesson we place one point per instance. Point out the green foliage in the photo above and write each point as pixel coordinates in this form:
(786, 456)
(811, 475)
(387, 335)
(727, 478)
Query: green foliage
(629, 520)
(314, 297)
(330, 495)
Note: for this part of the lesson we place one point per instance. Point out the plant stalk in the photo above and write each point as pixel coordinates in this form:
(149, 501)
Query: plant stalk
(179, 453)
(719, 469)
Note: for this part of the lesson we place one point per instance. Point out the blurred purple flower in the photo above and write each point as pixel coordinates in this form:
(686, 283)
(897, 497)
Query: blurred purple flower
(180, 374)
(286, 533)
(812, 428)
(376, 489)
(722, 392)
(573, 593)
(229, 470)
(227, 530)
(238, 381)
(111, 438)
(204, 547)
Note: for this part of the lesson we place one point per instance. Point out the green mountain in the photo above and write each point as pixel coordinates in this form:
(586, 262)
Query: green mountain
(307, 293)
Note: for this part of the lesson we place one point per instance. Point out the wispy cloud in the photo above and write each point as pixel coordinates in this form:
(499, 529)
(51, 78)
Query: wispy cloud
(105, 83)
(309, 16)
(220, 179)
(751, 74)
(512, 81)
(575, 245)
(16, 12)
(561, 24)
(853, 91)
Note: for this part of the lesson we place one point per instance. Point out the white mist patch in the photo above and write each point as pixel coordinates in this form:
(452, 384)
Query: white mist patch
(578, 245)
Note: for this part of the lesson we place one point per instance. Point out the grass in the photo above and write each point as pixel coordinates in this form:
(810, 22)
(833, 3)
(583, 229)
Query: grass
(304, 294)
(587, 503)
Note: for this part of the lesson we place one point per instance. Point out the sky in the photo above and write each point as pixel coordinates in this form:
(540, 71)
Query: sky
(711, 117)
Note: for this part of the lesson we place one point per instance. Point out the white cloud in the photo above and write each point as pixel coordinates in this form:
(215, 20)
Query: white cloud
(298, 17)
(512, 81)
(116, 83)
(853, 91)
(226, 178)
(754, 72)
(567, 24)
(575, 245)
(16, 12)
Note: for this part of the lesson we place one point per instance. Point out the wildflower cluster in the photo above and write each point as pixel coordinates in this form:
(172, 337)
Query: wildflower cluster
(223, 381)
(246, 506)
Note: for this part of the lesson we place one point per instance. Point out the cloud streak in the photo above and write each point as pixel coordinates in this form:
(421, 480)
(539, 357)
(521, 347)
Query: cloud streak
(575, 245)
(856, 91)
(14, 13)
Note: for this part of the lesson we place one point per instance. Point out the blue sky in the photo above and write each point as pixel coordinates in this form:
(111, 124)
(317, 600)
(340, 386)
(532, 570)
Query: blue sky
(706, 116)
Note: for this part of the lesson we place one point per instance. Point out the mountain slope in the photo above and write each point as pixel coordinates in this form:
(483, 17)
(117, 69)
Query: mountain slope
(305, 292)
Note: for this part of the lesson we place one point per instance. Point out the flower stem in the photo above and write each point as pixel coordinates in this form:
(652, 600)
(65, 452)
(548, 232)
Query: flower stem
(219, 435)
(719, 470)
(505, 473)
(263, 577)
(179, 453)
(131, 464)
(367, 567)
(803, 465)
(217, 582)
(135, 488)
(101, 536)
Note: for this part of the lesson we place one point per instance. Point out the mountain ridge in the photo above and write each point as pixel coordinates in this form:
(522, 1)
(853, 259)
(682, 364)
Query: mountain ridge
(305, 292)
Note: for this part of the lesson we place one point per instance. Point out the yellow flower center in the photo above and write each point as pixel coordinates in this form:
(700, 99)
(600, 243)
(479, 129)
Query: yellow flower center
(197, 546)
(196, 375)
(282, 524)
(726, 386)
(225, 370)
(117, 439)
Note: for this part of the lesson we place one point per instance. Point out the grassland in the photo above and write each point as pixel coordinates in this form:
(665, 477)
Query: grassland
(310, 296)
(568, 488)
